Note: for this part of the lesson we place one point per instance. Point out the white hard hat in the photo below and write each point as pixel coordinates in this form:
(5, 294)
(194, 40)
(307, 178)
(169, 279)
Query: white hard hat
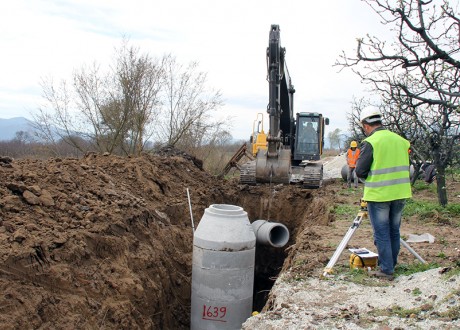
(370, 115)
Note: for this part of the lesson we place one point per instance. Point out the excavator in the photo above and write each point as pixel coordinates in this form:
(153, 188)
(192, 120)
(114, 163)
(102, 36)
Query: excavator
(293, 144)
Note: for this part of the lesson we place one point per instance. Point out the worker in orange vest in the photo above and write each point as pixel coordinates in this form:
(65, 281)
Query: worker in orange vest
(352, 158)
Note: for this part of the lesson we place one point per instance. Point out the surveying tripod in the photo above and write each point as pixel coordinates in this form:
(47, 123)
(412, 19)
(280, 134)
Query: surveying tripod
(355, 225)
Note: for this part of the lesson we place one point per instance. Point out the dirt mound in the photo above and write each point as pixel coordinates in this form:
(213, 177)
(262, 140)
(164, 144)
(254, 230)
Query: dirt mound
(102, 241)
(106, 241)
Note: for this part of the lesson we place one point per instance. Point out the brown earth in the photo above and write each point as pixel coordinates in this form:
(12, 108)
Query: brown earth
(106, 242)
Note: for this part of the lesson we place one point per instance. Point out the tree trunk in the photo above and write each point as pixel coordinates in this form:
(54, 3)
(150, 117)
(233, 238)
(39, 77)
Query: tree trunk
(416, 172)
(441, 182)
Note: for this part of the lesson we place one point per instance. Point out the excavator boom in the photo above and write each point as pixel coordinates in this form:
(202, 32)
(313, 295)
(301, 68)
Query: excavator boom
(274, 164)
(294, 145)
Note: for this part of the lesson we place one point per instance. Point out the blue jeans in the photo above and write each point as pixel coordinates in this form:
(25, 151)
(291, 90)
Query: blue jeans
(385, 218)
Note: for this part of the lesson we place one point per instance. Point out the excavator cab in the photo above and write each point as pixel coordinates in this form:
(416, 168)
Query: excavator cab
(309, 137)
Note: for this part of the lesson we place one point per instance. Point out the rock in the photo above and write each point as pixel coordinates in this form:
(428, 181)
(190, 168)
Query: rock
(16, 188)
(6, 160)
(30, 197)
(426, 307)
(10, 203)
(45, 198)
(20, 235)
(35, 190)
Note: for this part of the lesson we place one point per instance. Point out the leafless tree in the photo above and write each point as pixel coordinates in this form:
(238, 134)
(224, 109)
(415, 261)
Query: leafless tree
(111, 109)
(138, 100)
(416, 76)
(188, 104)
(335, 139)
(140, 80)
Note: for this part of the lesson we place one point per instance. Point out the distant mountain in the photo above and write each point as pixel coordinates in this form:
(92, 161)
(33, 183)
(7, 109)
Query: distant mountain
(9, 127)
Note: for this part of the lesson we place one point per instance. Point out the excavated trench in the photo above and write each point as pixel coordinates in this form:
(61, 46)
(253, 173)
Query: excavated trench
(106, 241)
(288, 205)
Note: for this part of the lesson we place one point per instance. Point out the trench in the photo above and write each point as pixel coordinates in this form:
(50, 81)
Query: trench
(268, 264)
(288, 206)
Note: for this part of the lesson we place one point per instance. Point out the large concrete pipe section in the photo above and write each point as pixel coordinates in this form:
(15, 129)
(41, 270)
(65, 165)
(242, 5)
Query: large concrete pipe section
(223, 269)
(344, 172)
(270, 233)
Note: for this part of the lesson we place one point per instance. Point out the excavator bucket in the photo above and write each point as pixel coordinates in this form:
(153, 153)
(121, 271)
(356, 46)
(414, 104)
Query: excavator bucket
(274, 169)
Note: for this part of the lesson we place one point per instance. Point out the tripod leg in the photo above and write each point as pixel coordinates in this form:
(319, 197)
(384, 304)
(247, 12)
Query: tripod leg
(342, 245)
(412, 251)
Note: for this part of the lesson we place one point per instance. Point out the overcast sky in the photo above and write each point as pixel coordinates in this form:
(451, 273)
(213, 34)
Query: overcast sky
(51, 38)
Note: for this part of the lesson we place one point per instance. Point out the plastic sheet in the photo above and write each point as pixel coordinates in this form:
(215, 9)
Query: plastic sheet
(412, 238)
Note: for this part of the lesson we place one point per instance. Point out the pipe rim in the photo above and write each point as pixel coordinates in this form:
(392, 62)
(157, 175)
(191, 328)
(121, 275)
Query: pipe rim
(226, 210)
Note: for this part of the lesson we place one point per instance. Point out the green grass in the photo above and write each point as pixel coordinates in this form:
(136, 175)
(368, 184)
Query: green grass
(348, 210)
(442, 255)
(453, 272)
(454, 172)
(398, 311)
(442, 240)
(409, 269)
(425, 210)
(416, 313)
(416, 292)
(358, 276)
(420, 185)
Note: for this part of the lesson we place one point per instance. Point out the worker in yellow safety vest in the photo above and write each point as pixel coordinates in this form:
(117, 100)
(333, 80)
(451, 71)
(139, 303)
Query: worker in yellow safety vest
(352, 158)
(384, 164)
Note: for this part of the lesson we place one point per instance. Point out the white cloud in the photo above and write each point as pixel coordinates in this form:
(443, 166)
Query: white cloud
(53, 37)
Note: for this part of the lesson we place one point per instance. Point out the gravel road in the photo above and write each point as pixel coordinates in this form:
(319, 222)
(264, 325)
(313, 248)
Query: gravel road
(337, 303)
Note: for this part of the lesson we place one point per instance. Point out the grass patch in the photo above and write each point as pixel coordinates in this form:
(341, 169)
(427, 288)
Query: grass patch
(353, 192)
(454, 271)
(416, 292)
(409, 269)
(442, 255)
(415, 313)
(397, 311)
(425, 210)
(442, 240)
(358, 276)
(452, 313)
(454, 172)
(422, 186)
(347, 210)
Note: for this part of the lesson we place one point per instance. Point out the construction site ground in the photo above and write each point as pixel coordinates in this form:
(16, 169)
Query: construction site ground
(105, 242)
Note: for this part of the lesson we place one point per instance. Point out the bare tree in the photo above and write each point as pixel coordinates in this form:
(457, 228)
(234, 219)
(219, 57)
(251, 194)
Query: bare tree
(416, 76)
(140, 80)
(185, 119)
(55, 121)
(111, 109)
(335, 139)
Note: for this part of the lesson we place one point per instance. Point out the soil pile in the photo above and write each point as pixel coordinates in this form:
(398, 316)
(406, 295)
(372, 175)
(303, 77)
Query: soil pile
(99, 242)
(106, 242)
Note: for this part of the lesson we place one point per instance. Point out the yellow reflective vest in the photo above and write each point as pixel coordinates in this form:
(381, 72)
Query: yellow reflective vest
(389, 175)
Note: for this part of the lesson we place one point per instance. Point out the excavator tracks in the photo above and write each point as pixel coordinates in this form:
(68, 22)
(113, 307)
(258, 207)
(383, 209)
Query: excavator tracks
(248, 173)
(309, 176)
(313, 176)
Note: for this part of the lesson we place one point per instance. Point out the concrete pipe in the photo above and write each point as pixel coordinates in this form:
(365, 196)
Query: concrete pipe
(270, 233)
(344, 172)
(223, 266)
